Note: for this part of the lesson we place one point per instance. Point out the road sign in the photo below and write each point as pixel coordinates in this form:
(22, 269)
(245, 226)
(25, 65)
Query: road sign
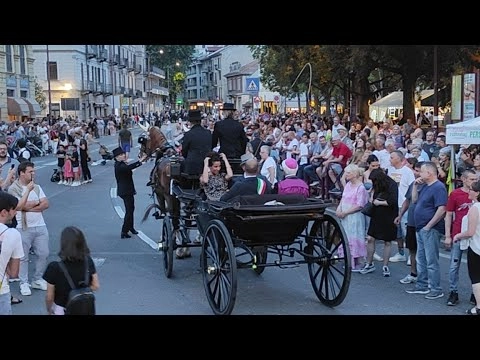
(276, 98)
(253, 85)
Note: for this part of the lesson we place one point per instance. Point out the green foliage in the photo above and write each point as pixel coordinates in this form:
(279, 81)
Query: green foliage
(40, 95)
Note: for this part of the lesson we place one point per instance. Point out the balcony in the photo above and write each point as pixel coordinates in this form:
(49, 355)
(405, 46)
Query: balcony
(102, 55)
(92, 51)
(121, 62)
(88, 88)
(114, 60)
(108, 89)
(99, 89)
(130, 65)
(138, 69)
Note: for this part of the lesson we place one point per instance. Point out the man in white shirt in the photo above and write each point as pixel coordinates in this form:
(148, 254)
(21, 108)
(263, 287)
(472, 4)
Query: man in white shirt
(403, 176)
(32, 227)
(11, 250)
(381, 152)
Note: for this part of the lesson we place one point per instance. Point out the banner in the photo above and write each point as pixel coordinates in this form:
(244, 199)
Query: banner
(468, 96)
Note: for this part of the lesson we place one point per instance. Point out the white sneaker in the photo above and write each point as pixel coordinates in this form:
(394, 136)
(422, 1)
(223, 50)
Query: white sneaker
(61, 182)
(25, 289)
(75, 183)
(13, 280)
(397, 258)
(377, 257)
(39, 285)
(409, 279)
(315, 183)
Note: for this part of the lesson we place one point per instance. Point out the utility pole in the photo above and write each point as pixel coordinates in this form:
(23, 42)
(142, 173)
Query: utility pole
(48, 82)
(435, 83)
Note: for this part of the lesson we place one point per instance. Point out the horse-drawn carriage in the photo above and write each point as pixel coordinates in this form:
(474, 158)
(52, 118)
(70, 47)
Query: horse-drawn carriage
(256, 232)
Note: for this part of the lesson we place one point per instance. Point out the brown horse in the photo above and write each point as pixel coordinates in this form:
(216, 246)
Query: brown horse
(154, 143)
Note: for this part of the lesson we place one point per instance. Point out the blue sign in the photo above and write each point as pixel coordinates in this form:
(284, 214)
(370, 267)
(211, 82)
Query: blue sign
(253, 85)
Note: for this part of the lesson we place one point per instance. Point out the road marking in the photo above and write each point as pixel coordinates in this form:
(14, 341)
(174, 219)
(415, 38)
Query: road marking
(98, 262)
(113, 193)
(119, 211)
(148, 241)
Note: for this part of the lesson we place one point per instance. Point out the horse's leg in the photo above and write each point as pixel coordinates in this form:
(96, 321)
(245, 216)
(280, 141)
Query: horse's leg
(160, 194)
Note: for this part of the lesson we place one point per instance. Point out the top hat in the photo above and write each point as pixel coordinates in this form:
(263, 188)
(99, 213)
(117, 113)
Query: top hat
(194, 115)
(118, 151)
(229, 106)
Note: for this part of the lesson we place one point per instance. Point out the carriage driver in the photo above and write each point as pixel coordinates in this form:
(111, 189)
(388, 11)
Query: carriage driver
(196, 144)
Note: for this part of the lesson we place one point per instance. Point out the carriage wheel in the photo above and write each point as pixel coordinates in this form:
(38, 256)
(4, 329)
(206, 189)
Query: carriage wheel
(330, 273)
(261, 253)
(219, 268)
(167, 246)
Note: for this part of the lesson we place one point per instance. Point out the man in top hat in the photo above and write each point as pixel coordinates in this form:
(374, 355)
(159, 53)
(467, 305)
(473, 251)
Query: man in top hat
(126, 188)
(230, 134)
(196, 144)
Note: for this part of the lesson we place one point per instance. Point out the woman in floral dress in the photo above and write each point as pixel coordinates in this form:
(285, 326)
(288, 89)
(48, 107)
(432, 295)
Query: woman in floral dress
(213, 181)
(354, 198)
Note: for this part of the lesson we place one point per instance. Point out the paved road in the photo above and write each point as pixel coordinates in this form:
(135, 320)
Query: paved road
(131, 270)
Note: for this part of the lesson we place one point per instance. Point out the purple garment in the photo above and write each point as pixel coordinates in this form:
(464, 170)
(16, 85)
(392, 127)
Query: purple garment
(293, 185)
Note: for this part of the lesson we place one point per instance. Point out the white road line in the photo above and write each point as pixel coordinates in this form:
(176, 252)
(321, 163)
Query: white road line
(113, 193)
(119, 211)
(148, 241)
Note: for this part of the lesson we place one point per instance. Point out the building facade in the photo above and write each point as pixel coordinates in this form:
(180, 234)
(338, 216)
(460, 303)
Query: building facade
(98, 80)
(17, 84)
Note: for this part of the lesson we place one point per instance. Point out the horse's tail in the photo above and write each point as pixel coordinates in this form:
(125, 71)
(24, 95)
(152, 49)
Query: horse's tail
(148, 209)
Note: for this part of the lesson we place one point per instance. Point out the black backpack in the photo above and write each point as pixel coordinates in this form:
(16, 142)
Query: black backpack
(81, 300)
(20, 157)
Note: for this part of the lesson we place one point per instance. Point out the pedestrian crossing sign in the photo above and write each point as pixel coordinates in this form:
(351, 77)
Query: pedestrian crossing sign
(253, 85)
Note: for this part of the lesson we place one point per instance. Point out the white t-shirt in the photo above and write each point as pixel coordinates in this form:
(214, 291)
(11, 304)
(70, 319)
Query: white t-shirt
(403, 177)
(12, 248)
(293, 145)
(33, 218)
(268, 163)
(383, 157)
(303, 153)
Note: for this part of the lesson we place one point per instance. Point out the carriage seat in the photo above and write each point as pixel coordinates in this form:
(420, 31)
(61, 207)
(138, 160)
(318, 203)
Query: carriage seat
(185, 193)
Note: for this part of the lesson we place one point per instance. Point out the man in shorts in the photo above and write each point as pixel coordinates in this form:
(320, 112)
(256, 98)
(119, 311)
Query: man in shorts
(337, 162)
(125, 140)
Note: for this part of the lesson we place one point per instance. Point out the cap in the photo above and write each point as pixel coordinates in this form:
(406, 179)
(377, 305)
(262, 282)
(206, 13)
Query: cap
(245, 157)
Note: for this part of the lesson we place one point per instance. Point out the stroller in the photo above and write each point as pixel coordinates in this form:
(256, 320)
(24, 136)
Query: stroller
(105, 154)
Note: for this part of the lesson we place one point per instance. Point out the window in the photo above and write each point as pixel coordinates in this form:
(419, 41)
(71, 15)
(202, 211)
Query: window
(10, 93)
(52, 73)
(23, 93)
(23, 69)
(8, 50)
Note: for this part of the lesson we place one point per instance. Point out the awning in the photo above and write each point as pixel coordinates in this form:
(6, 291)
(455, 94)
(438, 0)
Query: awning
(99, 104)
(34, 106)
(443, 96)
(395, 99)
(17, 107)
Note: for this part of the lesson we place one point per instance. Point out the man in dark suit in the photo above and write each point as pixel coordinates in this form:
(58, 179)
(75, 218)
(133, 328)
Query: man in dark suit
(230, 133)
(196, 143)
(126, 188)
(251, 185)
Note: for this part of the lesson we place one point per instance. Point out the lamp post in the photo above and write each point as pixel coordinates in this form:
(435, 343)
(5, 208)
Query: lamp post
(48, 82)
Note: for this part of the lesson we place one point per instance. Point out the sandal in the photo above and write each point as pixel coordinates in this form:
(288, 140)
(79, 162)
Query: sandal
(15, 301)
(473, 311)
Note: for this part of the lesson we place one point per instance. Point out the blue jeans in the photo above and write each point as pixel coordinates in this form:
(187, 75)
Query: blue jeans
(310, 174)
(35, 237)
(455, 261)
(428, 255)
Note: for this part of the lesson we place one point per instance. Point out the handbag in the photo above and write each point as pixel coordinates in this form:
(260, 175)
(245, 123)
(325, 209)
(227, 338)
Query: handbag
(367, 210)
(464, 243)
